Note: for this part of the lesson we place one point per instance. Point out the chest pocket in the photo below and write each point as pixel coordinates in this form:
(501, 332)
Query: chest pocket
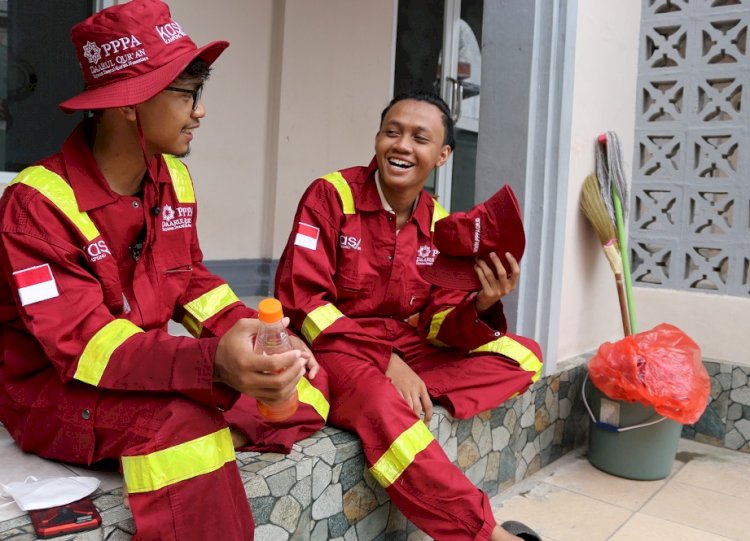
(175, 227)
(58, 192)
(352, 278)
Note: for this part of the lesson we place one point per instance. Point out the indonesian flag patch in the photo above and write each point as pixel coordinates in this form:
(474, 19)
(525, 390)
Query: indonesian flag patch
(35, 284)
(307, 236)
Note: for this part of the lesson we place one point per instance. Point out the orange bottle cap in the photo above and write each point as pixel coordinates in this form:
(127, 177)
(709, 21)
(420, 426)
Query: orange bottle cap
(269, 310)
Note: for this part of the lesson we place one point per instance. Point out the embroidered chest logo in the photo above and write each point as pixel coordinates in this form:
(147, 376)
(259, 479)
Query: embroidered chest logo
(97, 250)
(179, 218)
(426, 255)
(350, 243)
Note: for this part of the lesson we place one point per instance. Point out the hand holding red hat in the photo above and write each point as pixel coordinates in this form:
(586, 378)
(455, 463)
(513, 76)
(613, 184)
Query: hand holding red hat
(494, 226)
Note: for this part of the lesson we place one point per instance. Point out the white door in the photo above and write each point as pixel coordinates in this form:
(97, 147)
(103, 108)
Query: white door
(438, 48)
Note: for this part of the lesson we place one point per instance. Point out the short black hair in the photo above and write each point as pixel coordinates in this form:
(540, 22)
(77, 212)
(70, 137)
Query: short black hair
(434, 99)
(197, 68)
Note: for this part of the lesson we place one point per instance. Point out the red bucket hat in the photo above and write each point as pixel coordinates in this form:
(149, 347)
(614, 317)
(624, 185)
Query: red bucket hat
(493, 226)
(130, 52)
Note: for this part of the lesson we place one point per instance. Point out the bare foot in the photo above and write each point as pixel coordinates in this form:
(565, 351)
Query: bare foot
(238, 438)
(125, 498)
(498, 534)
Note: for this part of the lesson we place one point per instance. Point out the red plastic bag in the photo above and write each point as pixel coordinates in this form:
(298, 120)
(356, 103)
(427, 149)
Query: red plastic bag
(661, 368)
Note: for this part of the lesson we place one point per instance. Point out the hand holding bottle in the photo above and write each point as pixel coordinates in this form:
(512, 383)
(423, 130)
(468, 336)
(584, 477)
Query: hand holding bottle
(265, 377)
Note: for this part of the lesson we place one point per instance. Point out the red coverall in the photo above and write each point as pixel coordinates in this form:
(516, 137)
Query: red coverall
(351, 284)
(87, 369)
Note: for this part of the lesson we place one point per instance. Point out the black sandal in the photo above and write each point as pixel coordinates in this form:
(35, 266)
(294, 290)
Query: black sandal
(521, 530)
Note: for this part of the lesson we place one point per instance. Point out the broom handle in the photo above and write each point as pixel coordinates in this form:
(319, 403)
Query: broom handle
(623, 304)
(622, 241)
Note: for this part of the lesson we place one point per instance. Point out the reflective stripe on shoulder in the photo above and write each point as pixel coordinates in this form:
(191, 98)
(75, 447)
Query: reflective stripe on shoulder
(206, 306)
(438, 213)
(319, 320)
(345, 192)
(99, 349)
(312, 396)
(53, 187)
(435, 324)
(401, 453)
(512, 349)
(183, 185)
(147, 473)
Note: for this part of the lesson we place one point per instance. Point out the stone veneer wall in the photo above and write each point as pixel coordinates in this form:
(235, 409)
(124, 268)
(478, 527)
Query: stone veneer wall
(726, 421)
(323, 491)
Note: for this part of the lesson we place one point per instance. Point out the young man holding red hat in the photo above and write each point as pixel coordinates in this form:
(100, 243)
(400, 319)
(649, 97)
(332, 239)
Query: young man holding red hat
(98, 250)
(350, 278)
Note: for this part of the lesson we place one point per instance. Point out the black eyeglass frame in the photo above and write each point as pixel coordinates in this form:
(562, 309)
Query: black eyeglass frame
(195, 93)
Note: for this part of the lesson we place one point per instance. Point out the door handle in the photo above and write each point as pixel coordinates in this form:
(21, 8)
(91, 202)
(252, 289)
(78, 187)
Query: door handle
(457, 96)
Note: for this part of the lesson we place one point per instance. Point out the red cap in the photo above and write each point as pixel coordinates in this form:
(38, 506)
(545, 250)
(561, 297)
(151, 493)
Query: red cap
(130, 52)
(493, 226)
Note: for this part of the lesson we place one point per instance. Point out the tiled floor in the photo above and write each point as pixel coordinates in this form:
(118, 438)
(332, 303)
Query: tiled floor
(705, 498)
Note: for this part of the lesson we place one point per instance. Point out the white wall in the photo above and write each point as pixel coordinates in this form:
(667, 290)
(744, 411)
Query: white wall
(335, 79)
(230, 151)
(606, 66)
(297, 95)
(607, 42)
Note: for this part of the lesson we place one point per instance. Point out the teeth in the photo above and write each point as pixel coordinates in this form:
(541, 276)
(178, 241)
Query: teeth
(399, 163)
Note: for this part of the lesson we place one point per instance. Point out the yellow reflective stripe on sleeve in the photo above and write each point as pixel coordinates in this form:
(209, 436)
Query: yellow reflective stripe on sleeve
(505, 345)
(183, 186)
(95, 357)
(319, 320)
(401, 454)
(345, 192)
(53, 187)
(438, 213)
(206, 306)
(193, 327)
(435, 324)
(310, 395)
(147, 473)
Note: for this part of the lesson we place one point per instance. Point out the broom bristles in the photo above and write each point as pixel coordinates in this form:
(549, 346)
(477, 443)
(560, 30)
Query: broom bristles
(595, 210)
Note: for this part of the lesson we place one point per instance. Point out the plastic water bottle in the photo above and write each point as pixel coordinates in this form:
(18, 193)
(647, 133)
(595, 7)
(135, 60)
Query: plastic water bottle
(272, 339)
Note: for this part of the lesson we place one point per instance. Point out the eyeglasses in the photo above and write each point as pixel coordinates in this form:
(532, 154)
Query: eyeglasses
(196, 93)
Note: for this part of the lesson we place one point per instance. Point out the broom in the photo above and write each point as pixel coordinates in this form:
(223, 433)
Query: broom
(595, 210)
(614, 190)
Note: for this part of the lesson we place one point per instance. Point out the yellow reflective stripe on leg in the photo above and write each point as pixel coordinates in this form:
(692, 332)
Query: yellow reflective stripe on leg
(438, 213)
(183, 185)
(345, 192)
(53, 187)
(435, 324)
(206, 306)
(401, 453)
(311, 395)
(95, 357)
(508, 347)
(319, 320)
(146, 473)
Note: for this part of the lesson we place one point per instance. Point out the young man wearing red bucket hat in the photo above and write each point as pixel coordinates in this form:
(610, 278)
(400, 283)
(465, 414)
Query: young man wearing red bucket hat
(391, 342)
(98, 250)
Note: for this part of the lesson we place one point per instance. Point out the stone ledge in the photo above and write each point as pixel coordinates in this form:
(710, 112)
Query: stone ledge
(323, 491)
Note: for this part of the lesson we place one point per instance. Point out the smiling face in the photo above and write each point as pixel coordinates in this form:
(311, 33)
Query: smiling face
(409, 145)
(168, 119)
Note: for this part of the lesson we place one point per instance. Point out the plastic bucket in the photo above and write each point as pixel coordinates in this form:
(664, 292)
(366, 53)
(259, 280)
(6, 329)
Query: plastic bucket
(629, 439)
